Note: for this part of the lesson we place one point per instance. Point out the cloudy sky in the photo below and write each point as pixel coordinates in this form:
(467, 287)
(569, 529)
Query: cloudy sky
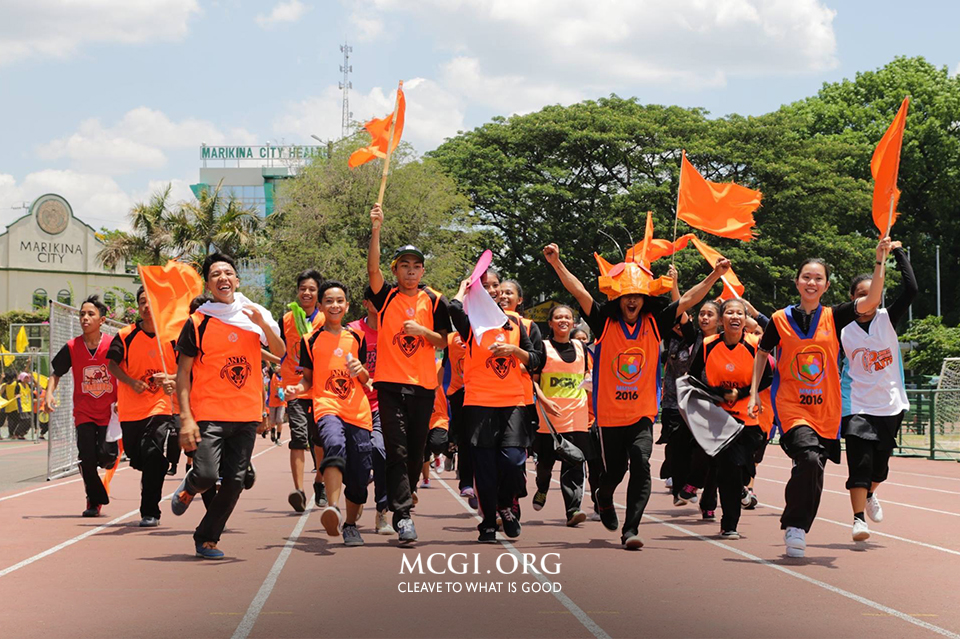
(103, 101)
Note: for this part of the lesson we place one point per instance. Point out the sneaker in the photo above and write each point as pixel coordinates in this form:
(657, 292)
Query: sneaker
(750, 502)
(149, 522)
(298, 500)
(437, 463)
(279, 443)
(874, 509)
(539, 499)
(319, 495)
(576, 517)
(172, 470)
(209, 550)
(729, 534)
(383, 526)
(688, 494)
(708, 515)
(92, 510)
(471, 497)
(330, 520)
(668, 483)
(487, 537)
(608, 515)
(181, 498)
(448, 464)
(595, 516)
(860, 530)
(679, 501)
(250, 478)
(511, 525)
(406, 531)
(425, 484)
(351, 536)
(632, 542)
(796, 541)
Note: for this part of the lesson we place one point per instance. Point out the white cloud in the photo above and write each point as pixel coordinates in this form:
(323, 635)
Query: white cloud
(135, 142)
(290, 11)
(53, 28)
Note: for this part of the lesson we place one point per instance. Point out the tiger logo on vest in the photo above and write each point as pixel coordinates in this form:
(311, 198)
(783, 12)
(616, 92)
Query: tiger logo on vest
(96, 381)
(501, 365)
(408, 344)
(339, 383)
(148, 379)
(236, 370)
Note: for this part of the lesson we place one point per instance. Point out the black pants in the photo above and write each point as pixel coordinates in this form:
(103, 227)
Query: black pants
(224, 451)
(437, 443)
(703, 475)
(458, 435)
(627, 447)
(499, 477)
(143, 441)
(173, 442)
(571, 475)
(406, 424)
(868, 462)
(809, 453)
(680, 450)
(94, 452)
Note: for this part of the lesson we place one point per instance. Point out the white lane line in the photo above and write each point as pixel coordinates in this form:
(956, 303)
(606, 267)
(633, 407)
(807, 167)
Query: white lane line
(53, 485)
(886, 483)
(89, 533)
(885, 501)
(568, 603)
(253, 611)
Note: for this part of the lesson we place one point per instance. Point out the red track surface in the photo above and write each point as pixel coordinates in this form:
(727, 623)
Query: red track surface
(119, 580)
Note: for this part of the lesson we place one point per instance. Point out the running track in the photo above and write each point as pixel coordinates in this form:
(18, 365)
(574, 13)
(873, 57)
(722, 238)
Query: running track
(61, 575)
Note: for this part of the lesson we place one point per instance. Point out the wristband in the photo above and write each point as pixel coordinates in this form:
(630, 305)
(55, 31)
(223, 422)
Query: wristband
(879, 263)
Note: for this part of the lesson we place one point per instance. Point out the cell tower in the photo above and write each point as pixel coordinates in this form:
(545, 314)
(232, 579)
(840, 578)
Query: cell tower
(346, 69)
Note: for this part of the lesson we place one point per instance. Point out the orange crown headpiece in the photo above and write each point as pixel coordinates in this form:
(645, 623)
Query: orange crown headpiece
(633, 276)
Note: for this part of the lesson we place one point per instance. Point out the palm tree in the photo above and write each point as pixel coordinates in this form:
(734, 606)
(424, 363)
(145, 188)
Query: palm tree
(150, 239)
(215, 222)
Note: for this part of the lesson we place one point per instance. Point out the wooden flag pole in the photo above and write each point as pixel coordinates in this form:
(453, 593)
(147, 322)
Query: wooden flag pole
(676, 213)
(386, 161)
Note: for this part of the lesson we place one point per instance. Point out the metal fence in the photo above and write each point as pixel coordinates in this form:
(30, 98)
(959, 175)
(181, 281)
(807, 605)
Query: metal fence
(931, 428)
(23, 377)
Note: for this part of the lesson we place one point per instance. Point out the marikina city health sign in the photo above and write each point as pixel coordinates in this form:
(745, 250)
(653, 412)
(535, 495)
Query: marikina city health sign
(261, 152)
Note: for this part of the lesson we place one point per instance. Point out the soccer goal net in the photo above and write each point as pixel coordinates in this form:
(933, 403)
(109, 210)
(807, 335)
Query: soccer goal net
(946, 403)
(62, 437)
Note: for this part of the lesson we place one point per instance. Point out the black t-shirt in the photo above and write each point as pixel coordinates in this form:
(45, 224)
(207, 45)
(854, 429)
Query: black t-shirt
(567, 352)
(843, 314)
(663, 311)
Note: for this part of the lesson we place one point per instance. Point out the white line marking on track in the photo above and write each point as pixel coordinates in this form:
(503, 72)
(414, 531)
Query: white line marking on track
(48, 486)
(886, 483)
(567, 602)
(90, 533)
(250, 618)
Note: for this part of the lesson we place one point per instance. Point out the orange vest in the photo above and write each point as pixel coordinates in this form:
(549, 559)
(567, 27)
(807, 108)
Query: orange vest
(456, 351)
(626, 375)
(490, 380)
(273, 399)
(560, 383)
(806, 381)
(527, 379)
(731, 368)
(402, 358)
(440, 418)
(141, 360)
(335, 392)
(290, 370)
(227, 385)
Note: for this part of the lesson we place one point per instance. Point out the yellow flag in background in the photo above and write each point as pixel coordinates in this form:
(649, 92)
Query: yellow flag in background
(23, 344)
(7, 359)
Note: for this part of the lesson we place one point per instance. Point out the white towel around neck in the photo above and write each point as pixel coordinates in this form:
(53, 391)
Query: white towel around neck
(233, 315)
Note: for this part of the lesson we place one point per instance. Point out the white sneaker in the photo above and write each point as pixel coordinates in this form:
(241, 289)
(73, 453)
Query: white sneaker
(860, 530)
(668, 483)
(383, 526)
(874, 509)
(796, 541)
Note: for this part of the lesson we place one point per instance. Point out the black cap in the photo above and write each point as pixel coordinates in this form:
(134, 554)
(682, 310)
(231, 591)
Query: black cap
(408, 249)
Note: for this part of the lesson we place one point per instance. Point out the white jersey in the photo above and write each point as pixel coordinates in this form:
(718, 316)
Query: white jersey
(872, 379)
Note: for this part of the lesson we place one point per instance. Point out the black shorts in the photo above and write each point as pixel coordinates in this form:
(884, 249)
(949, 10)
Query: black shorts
(882, 429)
(303, 430)
(497, 427)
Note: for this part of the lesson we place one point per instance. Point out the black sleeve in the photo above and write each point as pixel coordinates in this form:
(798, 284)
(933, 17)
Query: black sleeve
(597, 319)
(536, 338)
(61, 361)
(698, 364)
(766, 379)
(770, 339)
(459, 319)
(844, 314)
(380, 297)
(117, 347)
(762, 320)
(536, 357)
(441, 315)
(910, 288)
(667, 317)
(283, 331)
(187, 343)
(361, 352)
(306, 351)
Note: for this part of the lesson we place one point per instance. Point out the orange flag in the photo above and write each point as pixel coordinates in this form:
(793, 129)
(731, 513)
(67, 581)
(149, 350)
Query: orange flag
(379, 130)
(731, 283)
(724, 209)
(885, 166)
(170, 290)
(651, 249)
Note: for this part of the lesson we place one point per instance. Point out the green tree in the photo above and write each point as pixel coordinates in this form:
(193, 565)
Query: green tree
(149, 241)
(932, 342)
(215, 222)
(322, 221)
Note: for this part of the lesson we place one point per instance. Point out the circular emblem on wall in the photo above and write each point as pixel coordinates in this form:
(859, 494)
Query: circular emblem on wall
(53, 213)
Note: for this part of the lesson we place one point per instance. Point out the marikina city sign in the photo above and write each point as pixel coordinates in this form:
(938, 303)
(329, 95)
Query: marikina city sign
(261, 152)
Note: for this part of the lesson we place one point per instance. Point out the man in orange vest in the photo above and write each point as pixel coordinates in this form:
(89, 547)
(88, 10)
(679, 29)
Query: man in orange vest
(221, 396)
